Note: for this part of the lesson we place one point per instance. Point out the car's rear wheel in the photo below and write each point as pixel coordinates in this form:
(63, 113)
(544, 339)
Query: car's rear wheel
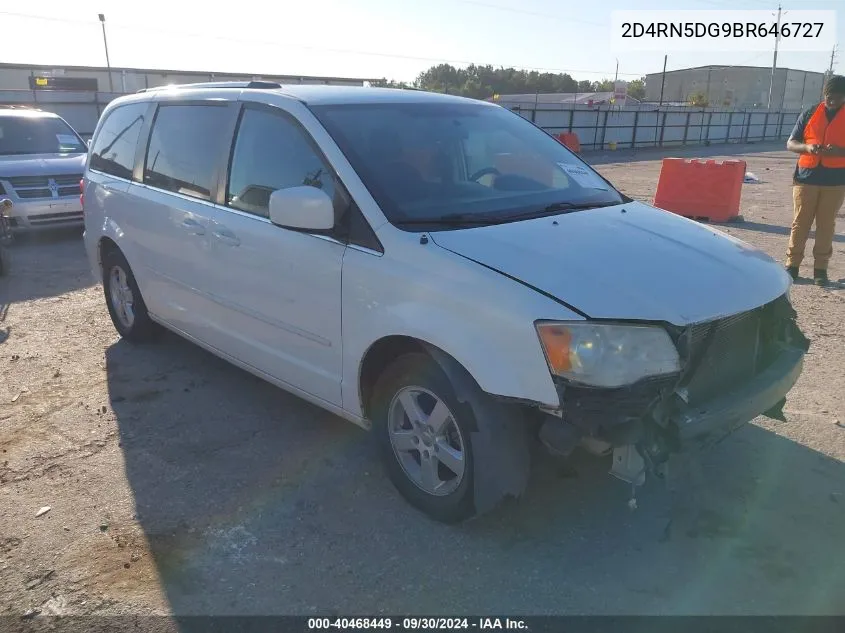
(424, 436)
(126, 305)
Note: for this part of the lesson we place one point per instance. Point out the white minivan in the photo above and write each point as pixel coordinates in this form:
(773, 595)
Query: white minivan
(438, 270)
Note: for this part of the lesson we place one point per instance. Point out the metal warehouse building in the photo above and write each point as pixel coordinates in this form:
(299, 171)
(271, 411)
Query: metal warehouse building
(123, 80)
(738, 86)
(79, 93)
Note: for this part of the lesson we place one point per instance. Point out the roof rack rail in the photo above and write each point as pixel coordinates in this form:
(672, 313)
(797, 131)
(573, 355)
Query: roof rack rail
(261, 85)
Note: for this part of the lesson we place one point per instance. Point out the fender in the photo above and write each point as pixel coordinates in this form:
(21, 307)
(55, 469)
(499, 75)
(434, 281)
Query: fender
(500, 440)
(482, 319)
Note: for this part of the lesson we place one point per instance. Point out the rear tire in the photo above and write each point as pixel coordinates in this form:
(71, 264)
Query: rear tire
(126, 305)
(427, 452)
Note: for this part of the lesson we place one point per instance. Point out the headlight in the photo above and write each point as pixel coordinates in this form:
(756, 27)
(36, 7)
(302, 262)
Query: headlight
(605, 355)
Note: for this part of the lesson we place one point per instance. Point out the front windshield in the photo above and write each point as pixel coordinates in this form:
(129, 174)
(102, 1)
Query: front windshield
(38, 135)
(460, 163)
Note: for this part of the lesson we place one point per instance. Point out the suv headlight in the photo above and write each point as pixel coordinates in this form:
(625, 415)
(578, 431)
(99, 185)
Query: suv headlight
(607, 355)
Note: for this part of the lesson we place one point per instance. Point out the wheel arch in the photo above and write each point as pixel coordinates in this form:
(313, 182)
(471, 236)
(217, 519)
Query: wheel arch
(386, 350)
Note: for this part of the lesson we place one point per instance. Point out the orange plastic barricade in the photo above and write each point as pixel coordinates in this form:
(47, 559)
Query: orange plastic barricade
(701, 189)
(570, 139)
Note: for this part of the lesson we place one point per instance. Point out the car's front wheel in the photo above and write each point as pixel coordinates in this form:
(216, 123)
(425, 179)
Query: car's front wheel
(424, 435)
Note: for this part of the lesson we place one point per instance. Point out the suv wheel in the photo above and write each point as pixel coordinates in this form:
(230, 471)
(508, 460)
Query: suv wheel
(123, 298)
(424, 438)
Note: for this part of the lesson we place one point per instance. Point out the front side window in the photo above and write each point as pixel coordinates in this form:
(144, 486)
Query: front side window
(271, 152)
(184, 149)
(113, 151)
(460, 163)
(20, 135)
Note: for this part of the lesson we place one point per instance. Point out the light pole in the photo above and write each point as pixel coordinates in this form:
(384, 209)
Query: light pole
(106, 44)
(775, 61)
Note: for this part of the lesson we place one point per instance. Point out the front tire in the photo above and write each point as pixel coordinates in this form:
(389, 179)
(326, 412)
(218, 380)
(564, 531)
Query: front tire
(424, 438)
(126, 305)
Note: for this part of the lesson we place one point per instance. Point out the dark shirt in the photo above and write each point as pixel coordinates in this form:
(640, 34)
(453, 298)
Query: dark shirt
(823, 176)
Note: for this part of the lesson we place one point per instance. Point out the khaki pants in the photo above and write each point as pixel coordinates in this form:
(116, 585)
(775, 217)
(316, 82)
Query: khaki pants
(819, 204)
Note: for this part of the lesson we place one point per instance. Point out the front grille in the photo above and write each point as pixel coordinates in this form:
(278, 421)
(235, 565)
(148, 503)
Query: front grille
(30, 181)
(29, 194)
(68, 179)
(38, 187)
(730, 359)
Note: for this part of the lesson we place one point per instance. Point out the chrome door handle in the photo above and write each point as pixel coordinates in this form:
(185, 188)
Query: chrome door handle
(226, 236)
(193, 226)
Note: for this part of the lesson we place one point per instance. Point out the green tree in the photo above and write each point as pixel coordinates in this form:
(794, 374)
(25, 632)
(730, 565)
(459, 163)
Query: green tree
(636, 88)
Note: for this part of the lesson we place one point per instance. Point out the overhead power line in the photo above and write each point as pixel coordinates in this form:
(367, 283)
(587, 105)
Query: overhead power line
(499, 7)
(223, 38)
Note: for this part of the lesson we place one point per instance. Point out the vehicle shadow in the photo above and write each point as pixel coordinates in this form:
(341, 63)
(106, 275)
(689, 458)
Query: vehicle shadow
(254, 502)
(45, 264)
(727, 150)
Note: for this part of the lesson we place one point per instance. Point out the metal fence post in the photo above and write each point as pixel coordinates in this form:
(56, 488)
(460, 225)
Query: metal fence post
(634, 133)
(662, 127)
(730, 122)
(686, 128)
(747, 124)
(571, 117)
(604, 129)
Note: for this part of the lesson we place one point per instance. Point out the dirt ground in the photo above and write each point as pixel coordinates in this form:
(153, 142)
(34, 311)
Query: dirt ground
(180, 485)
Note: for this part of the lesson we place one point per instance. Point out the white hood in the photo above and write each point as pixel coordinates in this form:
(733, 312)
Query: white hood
(630, 261)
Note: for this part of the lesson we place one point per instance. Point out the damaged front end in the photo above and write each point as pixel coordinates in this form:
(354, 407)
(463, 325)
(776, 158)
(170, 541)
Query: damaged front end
(732, 370)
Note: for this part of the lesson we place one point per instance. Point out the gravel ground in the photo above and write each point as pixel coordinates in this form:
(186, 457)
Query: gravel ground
(180, 485)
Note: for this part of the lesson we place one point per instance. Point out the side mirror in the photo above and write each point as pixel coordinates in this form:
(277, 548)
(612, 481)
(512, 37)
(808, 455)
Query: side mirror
(88, 142)
(305, 208)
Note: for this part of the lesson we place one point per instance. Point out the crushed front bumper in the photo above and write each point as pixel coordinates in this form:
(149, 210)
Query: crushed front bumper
(726, 413)
(734, 370)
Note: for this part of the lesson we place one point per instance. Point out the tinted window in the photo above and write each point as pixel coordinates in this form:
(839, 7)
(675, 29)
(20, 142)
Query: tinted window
(272, 152)
(184, 149)
(27, 134)
(113, 152)
(425, 161)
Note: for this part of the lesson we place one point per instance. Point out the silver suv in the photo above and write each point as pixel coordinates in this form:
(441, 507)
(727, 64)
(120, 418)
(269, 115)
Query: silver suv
(41, 163)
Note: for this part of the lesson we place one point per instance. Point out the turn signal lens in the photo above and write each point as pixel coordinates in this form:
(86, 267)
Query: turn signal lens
(556, 340)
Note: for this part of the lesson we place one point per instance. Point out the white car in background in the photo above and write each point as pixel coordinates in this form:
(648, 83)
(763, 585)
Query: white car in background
(42, 160)
(438, 270)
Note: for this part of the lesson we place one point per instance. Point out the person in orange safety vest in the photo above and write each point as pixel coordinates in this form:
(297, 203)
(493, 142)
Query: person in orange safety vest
(818, 189)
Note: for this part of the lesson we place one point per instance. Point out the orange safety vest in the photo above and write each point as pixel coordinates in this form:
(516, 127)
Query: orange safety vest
(821, 132)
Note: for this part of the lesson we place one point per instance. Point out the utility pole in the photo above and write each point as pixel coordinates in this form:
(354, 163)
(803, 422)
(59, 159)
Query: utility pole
(616, 76)
(663, 81)
(106, 44)
(832, 57)
(774, 61)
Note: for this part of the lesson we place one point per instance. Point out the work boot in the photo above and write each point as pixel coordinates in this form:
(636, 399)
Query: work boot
(793, 272)
(820, 277)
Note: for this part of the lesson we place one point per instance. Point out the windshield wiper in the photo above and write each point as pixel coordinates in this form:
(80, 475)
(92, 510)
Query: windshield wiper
(452, 218)
(556, 208)
(481, 220)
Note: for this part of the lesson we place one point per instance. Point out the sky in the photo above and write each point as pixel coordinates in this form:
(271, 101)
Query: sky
(394, 39)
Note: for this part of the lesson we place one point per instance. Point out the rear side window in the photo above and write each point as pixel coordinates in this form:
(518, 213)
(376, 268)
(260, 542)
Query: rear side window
(113, 151)
(184, 149)
(271, 152)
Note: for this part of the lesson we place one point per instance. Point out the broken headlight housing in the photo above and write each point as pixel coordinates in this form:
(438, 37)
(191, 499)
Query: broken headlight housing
(607, 355)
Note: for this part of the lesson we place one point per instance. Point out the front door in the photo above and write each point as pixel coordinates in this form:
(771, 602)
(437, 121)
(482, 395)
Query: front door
(280, 289)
